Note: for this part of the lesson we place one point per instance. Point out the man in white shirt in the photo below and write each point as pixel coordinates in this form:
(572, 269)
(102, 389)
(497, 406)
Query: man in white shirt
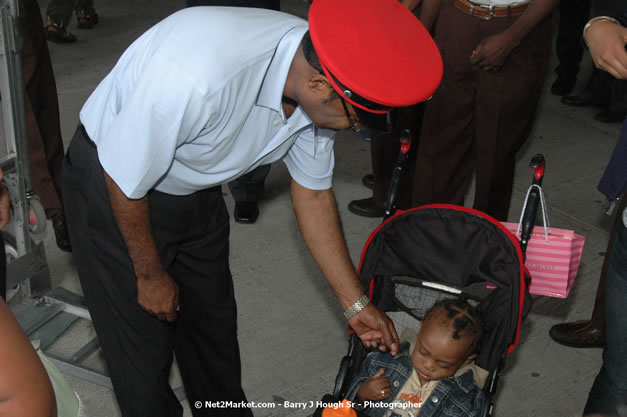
(202, 97)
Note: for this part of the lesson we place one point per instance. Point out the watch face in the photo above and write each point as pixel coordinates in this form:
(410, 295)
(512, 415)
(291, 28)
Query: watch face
(625, 217)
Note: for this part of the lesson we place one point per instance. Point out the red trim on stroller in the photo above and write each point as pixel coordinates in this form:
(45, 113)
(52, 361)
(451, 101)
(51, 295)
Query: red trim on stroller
(514, 239)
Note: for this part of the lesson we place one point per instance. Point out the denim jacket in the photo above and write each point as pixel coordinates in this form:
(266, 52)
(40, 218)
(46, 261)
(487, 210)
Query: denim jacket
(452, 396)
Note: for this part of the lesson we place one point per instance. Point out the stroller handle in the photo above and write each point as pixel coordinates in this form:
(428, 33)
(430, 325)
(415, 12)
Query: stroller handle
(403, 155)
(531, 209)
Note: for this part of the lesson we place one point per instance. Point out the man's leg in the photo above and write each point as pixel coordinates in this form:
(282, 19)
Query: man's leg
(444, 161)
(506, 105)
(43, 128)
(568, 46)
(86, 16)
(609, 391)
(589, 333)
(137, 346)
(247, 190)
(384, 151)
(58, 14)
(206, 346)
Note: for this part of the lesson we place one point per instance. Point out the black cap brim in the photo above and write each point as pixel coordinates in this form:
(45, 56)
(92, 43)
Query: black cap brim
(381, 122)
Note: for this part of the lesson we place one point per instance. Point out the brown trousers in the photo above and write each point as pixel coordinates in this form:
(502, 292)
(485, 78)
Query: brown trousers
(478, 120)
(42, 110)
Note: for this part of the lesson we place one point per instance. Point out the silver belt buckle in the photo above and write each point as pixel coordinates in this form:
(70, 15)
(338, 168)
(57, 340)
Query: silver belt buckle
(490, 15)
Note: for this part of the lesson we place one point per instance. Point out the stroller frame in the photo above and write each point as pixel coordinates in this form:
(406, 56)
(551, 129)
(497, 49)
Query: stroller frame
(350, 364)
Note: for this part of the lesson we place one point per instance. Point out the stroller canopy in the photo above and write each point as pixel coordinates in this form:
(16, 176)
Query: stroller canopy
(454, 246)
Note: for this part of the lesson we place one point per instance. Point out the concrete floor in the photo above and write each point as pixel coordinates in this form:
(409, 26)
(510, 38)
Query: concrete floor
(292, 332)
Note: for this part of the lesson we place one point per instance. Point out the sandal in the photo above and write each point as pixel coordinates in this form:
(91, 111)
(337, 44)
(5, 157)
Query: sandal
(58, 34)
(86, 20)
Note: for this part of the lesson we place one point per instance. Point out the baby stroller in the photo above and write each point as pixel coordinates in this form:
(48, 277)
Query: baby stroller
(417, 257)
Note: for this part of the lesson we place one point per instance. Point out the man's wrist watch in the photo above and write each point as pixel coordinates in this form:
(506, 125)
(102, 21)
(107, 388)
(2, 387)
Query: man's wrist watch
(357, 307)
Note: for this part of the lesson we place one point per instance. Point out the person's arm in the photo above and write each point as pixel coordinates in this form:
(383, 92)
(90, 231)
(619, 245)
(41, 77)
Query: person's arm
(319, 223)
(157, 293)
(25, 389)
(493, 51)
(376, 388)
(606, 40)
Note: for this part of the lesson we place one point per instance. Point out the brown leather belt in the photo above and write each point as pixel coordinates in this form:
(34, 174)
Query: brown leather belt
(487, 12)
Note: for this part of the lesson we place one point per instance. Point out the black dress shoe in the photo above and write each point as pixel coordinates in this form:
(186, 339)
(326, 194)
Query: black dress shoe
(366, 208)
(246, 212)
(610, 116)
(368, 181)
(578, 334)
(562, 86)
(578, 101)
(60, 233)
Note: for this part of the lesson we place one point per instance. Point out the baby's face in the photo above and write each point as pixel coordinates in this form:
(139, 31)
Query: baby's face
(436, 354)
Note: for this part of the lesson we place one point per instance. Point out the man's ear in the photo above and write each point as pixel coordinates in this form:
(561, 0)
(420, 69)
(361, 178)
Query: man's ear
(318, 83)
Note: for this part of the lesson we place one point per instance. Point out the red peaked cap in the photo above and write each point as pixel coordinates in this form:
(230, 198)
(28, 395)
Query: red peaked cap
(376, 53)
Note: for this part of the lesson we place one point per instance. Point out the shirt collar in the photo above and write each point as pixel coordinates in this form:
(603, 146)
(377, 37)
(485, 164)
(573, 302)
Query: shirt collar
(273, 85)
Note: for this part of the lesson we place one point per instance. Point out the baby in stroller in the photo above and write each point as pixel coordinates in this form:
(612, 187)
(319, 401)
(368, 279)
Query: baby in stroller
(436, 370)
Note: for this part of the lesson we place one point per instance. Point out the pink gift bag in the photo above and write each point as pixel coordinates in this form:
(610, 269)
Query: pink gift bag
(552, 259)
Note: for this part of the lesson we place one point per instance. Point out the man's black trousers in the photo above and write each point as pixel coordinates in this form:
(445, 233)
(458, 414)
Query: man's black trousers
(191, 233)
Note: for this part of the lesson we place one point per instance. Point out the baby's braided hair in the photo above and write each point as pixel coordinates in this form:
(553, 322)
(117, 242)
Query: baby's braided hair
(465, 320)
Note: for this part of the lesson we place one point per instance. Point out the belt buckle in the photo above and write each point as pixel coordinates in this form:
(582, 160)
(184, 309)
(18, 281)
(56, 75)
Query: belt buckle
(491, 11)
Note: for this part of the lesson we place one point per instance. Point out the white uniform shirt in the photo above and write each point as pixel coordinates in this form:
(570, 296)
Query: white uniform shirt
(196, 101)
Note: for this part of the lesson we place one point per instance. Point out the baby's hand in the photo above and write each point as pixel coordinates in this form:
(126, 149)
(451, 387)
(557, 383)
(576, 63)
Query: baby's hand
(376, 388)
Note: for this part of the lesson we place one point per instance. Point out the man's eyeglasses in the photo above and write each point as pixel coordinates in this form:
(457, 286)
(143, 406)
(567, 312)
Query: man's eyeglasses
(354, 127)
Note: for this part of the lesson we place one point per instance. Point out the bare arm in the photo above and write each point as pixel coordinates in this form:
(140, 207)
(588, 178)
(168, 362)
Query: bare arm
(157, 293)
(493, 51)
(318, 219)
(25, 389)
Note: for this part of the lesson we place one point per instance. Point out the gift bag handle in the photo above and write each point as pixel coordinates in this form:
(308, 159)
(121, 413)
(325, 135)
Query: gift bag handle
(545, 217)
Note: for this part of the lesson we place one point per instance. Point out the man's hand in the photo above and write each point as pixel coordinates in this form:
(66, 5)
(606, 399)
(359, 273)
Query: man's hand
(376, 388)
(4, 203)
(159, 296)
(492, 52)
(607, 41)
(375, 329)
(157, 293)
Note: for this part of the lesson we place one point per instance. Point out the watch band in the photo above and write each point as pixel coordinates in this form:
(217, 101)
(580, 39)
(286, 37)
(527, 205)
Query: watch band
(357, 307)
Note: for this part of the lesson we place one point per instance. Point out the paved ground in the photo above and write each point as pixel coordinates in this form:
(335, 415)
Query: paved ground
(291, 328)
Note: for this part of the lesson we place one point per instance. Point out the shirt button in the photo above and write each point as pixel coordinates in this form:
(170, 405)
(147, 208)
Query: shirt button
(435, 400)
(275, 123)
(396, 383)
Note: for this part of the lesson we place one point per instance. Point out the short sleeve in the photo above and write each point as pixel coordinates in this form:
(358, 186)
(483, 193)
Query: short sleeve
(310, 160)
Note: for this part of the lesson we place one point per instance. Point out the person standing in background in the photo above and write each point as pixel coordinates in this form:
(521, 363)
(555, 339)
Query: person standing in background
(43, 127)
(495, 59)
